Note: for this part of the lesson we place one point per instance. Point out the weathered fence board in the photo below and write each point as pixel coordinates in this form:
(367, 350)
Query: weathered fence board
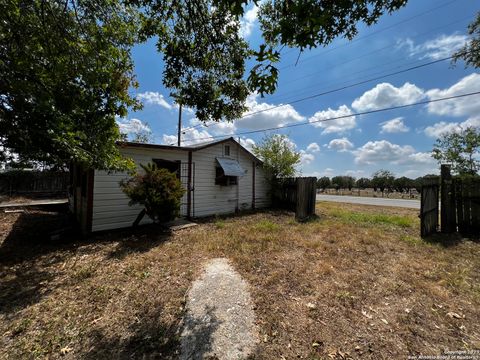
(306, 197)
(429, 208)
(467, 205)
(296, 194)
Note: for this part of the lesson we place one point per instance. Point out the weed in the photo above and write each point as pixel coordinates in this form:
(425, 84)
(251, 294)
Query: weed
(266, 226)
(372, 219)
(84, 273)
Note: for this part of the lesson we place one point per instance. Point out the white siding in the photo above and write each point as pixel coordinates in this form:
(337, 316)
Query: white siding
(211, 199)
(110, 204)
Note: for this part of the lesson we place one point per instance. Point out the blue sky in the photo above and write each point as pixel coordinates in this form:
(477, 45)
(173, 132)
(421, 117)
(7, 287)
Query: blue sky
(399, 140)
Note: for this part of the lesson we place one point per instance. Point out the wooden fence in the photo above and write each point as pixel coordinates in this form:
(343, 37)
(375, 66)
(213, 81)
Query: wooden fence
(296, 194)
(429, 208)
(20, 182)
(460, 205)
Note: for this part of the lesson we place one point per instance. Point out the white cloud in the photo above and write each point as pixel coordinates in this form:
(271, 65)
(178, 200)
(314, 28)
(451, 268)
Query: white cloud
(306, 158)
(190, 137)
(466, 106)
(132, 126)
(441, 47)
(216, 128)
(436, 130)
(247, 143)
(343, 124)
(355, 173)
(394, 126)
(276, 117)
(383, 151)
(313, 147)
(248, 21)
(385, 95)
(340, 145)
(154, 98)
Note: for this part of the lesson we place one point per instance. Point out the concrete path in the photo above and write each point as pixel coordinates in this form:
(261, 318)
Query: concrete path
(220, 321)
(412, 204)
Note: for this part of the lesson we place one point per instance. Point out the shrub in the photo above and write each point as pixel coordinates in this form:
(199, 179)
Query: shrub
(158, 190)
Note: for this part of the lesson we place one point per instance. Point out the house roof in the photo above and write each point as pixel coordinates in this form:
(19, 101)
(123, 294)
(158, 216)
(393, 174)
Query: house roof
(194, 147)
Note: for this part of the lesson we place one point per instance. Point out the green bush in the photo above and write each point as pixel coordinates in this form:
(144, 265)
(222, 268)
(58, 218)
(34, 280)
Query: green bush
(158, 190)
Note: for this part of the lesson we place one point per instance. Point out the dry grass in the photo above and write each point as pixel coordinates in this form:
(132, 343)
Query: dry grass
(356, 282)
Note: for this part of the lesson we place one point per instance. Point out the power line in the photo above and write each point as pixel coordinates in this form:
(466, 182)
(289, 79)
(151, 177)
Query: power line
(356, 84)
(337, 89)
(344, 116)
(368, 54)
(373, 33)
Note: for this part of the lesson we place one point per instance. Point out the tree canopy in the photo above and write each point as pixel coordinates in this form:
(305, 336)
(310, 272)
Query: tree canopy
(278, 156)
(470, 53)
(67, 69)
(461, 148)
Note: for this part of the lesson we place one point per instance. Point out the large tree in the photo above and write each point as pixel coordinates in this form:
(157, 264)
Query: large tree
(461, 148)
(278, 155)
(67, 69)
(65, 74)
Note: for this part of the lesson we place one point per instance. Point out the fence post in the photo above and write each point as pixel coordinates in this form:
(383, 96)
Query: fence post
(447, 199)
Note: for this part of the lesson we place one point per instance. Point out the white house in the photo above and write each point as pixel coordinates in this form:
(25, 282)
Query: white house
(220, 177)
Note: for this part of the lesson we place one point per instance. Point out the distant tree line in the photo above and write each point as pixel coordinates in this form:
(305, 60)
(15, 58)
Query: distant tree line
(381, 180)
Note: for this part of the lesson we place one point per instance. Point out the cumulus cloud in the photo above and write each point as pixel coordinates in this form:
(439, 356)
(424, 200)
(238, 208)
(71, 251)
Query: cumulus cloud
(394, 126)
(248, 21)
(467, 106)
(216, 128)
(438, 48)
(313, 147)
(306, 158)
(191, 137)
(442, 127)
(154, 98)
(341, 125)
(385, 95)
(132, 126)
(269, 117)
(340, 145)
(383, 151)
(247, 143)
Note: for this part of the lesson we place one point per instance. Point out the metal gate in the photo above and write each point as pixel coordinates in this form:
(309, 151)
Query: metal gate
(429, 208)
(187, 179)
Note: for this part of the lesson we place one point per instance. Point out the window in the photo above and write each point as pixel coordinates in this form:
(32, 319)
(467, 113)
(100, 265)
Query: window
(172, 166)
(222, 179)
(227, 150)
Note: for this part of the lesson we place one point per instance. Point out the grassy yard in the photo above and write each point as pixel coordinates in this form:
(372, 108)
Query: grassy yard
(357, 282)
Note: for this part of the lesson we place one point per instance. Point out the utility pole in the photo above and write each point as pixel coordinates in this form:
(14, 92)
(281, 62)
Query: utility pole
(179, 124)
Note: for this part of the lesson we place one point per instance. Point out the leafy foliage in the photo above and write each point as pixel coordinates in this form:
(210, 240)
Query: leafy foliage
(363, 183)
(66, 71)
(66, 65)
(461, 149)
(343, 182)
(382, 179)
(278, 156)
(323, 183)
(158, 190)
(470, 53)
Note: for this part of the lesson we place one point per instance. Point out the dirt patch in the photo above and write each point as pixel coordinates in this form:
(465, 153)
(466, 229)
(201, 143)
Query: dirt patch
(219, 321)
(358, 282)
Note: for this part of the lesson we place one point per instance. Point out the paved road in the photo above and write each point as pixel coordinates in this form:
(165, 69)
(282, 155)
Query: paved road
(412, 204)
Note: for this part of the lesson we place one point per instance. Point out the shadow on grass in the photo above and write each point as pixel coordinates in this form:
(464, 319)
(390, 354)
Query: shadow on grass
(30, 236)
(450, 240)
(28, 254)
(152, 339)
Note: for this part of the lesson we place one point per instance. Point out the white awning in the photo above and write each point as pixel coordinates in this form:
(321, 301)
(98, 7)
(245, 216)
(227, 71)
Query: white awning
(230, 167)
